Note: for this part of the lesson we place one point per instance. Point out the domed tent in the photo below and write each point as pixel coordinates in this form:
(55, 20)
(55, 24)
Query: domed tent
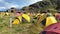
(52, 29)
(21, 19)
(26, 17)
(48, 21)
(17, 20)
(7, 13)
(17, 14)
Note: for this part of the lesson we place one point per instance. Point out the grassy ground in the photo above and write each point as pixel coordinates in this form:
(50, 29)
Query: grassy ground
(24, 28)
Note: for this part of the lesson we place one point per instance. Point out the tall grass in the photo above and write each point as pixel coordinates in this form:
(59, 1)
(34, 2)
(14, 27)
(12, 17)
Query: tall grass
(24, 28)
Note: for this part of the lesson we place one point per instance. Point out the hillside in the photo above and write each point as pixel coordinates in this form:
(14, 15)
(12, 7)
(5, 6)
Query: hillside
(43, 6)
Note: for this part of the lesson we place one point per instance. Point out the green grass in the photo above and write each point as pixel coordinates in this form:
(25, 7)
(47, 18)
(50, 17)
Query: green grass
(24, 28)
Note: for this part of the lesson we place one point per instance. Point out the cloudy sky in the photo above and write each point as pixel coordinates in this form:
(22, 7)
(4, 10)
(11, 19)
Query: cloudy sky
(6, 4)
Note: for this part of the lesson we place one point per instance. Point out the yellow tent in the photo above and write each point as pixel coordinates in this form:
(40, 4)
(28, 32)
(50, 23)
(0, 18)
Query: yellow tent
(27, 17)
(50, 20)
(20, 18)
(37, 14)
(2, 14)
(17, 20)
(7, 13)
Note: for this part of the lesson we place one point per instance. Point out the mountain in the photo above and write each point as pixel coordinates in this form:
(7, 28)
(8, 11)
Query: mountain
(44, 5)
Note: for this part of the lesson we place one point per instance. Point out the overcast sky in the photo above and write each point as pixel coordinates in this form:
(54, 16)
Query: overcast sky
(6, 4)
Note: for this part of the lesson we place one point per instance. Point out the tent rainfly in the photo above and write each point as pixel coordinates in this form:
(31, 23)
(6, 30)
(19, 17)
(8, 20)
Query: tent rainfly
(52, 29)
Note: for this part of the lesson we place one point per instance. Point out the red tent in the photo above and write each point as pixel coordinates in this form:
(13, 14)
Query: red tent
(52, 29)
(17, 14)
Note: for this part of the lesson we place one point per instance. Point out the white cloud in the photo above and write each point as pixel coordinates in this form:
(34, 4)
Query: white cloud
(15, 6)
(0, 0)
(33, 1)
(2, 8)
(8, 5)
(36, 1)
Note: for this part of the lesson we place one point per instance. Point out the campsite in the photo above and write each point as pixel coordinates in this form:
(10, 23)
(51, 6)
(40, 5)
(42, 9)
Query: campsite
(42, 17)
(31, 27)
